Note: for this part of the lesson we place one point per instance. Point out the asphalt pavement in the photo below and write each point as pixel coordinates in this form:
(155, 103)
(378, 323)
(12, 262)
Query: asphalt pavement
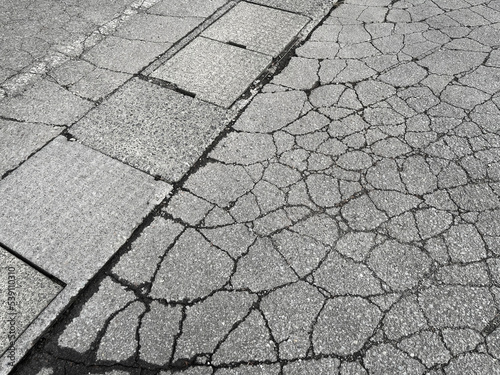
(265, 187)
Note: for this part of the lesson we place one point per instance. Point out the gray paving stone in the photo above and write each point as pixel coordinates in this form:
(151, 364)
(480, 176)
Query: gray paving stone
(244, 148)
(463, 97)
(344, 325)
(320, 227)
(403, 228)
(188, 207)
(465, 244)
(309, 123)
(356, 245)
(486, 116)
(323, 366)
(119, 343)
(326, 95)
(156, 334)
(341, 276)
(81, 332)
(220, 183)
(71, 200)
(404, 318)
(317, 50)
(470, 363)
(139, 264)
(417, 176)
(262, 29)
(303, 254)
(452, 62)
(216, 72)
(158, 29)
(371, 92)
(354, 160)
(263, 268)
(208, 322)
(124, 55)
(475, 197)
(384, 359)
(300, 74)
(309, 8)
(271, 111)
(290, 312)
(390, 148)
(251, 370)
(428, 347)
(400, 266)
(25, 293)
(323, 189)
(475, 274)
(250, 341)
(431, 222)
(187, 8)
(174, 130)
(385, 176)
(235, 239)
(458, 306)
(404, 75)
(19, 140)
(460, 341)
(393, 202)
(281, 175)
(192, 269)
(361, 214)
(45, 102)
(493, 342)
(192, 371)
(99, 83)
(352, 368)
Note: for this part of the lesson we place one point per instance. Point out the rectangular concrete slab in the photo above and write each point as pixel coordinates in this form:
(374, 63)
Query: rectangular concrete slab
(69, 208)
(152, 128)
(216, 72)
(159, 29)
(257, 27)
(18, 140)
(24, 293)
(310, 7)
(45, 102)
(187, 8)
(124, 55)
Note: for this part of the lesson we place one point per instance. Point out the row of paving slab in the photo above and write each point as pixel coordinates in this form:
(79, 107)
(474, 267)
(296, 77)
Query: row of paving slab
(89, 147)
(347, 223)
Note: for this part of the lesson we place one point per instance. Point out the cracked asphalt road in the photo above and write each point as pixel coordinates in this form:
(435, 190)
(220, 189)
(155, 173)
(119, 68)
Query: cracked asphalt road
(347, 223)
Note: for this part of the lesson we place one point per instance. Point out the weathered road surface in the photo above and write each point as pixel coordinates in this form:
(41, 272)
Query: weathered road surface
(346, 222)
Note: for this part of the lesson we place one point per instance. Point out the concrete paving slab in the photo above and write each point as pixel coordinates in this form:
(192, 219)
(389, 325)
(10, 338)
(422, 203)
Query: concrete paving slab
(24, 293)
(258, 28)
(45, 102)
(152, 128)
(160, 29)
(20, 140)
(213, 71)
(68, 209)
(187, 8)
(310, 8)
(124, 55)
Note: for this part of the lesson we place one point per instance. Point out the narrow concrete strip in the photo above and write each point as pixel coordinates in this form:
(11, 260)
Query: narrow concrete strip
(69, 208)
(24, 293)
(152, 128)
(258, 28)
(215, 72)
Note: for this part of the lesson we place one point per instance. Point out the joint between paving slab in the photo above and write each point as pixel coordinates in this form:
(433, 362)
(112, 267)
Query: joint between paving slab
(183, 42)
(33, 265)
